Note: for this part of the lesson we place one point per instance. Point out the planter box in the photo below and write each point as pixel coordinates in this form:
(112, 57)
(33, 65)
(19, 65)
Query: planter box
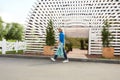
(48, 50)
(108, 52)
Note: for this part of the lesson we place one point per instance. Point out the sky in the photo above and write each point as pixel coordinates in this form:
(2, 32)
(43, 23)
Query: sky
(15, 10)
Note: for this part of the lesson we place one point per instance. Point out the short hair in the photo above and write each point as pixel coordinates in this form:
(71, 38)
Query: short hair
(59, 29)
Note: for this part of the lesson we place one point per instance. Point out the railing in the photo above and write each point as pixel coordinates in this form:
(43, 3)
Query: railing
(11, 46)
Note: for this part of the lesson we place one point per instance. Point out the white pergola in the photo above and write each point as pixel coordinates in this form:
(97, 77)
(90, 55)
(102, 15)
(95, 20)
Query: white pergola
(67, 13)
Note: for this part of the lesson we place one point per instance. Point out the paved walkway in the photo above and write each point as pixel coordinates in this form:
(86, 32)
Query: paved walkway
(77, 53)
(44, 69)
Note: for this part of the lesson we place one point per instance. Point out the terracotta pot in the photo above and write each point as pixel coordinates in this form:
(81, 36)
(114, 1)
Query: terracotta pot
(48, 50)
(108, 52)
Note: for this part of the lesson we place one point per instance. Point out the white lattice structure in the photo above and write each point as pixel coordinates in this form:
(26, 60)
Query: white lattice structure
(73, 13)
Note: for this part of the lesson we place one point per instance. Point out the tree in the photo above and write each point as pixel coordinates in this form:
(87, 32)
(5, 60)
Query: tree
(3, 29)
(15, 31)
(108, 51)
(10, 31)
(106, 35)
(82, 44)
(50, 34)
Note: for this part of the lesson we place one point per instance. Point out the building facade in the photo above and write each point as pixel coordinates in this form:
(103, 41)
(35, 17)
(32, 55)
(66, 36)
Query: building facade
(73, 13)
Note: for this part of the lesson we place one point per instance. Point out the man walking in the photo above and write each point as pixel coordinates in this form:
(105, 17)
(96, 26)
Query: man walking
(61, 50)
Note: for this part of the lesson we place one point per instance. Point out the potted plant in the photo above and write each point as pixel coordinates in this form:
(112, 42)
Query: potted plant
(50, 39)
(108, 51)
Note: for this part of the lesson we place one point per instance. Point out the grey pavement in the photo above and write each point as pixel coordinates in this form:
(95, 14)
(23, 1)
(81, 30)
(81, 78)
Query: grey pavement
(44, 69)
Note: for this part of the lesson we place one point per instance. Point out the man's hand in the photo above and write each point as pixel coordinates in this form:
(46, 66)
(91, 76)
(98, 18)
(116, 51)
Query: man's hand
(57, 43)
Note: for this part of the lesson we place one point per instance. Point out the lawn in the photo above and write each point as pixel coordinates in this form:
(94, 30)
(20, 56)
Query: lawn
(14, 52)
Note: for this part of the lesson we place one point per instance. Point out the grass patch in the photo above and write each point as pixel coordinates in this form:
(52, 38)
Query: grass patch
(10, 52)
(20, 51)
(13, 52)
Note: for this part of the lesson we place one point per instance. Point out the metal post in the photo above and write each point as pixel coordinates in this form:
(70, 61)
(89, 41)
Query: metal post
(4, 46)
(89, 49)
(16, 46)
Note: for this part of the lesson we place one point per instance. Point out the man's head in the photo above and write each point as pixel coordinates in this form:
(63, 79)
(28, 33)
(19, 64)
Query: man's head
(59, 29)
